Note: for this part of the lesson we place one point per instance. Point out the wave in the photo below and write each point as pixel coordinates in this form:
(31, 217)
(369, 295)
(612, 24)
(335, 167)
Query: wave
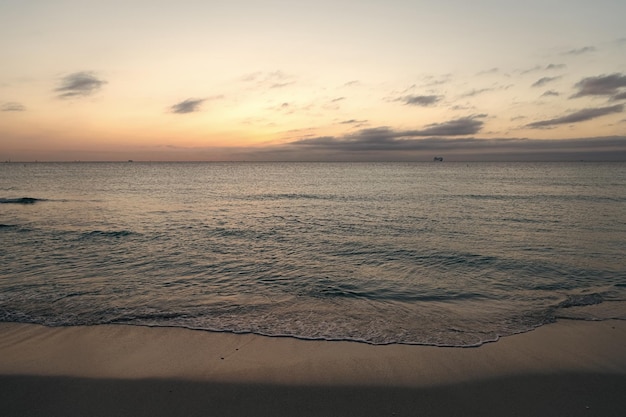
(542, 197)
(295, 196)
(591, 307)
(107, 233)
(581, 300)
(20, 200)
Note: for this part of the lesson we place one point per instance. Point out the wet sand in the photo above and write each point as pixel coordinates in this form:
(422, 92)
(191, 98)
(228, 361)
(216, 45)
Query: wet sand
(569, 368)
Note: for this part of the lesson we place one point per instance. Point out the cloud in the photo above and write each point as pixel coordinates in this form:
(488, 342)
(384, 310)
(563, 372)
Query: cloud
(420, 100)
(580, 51)
(620, 96)
(385, 138)
(476, 92)
(548, 67)
(457, 127)
(337, 99)
(271, 79)
(12, 106)
(489, 71)
(550, 93)
(432, 80)
(533, 69)
(619, 43)
(576, 117)
(461, 107)
(292, 107)
(353, 121)
(83, 83)
(187, 106)
(544, 80)
(603, 85)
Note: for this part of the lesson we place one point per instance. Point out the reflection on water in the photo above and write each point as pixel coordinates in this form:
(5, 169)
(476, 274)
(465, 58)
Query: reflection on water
(446, 254)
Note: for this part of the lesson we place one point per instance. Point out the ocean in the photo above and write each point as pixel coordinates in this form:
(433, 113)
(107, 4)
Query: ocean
(438, 253)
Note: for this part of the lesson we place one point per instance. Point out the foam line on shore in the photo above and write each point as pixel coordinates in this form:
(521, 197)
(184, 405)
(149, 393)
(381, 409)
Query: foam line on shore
(573, 368)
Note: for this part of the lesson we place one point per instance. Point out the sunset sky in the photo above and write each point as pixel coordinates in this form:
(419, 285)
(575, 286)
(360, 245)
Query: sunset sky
(322, 80)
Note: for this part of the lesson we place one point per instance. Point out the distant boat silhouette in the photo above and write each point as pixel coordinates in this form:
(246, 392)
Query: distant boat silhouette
(438, 159)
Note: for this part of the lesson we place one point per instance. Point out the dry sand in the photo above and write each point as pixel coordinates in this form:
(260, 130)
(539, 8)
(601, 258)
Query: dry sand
(570, 368)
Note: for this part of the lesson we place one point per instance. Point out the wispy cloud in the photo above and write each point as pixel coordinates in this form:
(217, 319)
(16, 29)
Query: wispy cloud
(555, 66)
(12, 106)
(494, 87)
(580, 51)
(603, 85)
(284, 107)
(413, 100)
(548, 67)
(192, 105)
(187, 106)
(79, 84)
(620, 96)
(544, 80)
(476, 92)
(577, 117)
(489, 71)
(550, 93)
(432, 80)
(272, 79)
(353, 122)
(457, 107)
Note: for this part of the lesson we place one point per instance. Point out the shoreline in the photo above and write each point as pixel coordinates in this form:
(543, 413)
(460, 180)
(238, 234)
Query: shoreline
(94, 370)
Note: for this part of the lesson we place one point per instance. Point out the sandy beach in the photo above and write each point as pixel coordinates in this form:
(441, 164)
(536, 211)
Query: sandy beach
(569, 368)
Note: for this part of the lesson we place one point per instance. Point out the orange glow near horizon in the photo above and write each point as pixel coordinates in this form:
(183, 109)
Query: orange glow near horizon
(237, 79)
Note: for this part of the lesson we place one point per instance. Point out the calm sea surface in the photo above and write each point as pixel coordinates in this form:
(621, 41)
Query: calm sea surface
(426, 253)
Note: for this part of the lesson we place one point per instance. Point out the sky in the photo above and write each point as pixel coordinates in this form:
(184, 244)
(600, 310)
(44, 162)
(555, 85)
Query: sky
(365, 80)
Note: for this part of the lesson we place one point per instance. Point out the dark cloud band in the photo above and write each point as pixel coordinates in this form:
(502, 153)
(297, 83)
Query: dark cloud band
(384, 138)
(373, 142)
(576, 117)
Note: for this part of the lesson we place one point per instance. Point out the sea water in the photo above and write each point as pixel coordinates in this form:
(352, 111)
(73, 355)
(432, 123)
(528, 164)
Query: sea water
(446, 254)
